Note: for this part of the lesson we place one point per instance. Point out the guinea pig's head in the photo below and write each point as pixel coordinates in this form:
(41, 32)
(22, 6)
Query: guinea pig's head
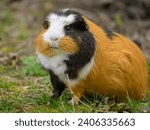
(63, 31)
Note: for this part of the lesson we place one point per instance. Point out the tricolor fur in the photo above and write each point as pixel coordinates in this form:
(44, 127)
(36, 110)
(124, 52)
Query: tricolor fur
(80, 55)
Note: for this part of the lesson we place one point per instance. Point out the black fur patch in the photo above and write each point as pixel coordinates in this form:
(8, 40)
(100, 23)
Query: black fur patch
(109, 33)
(66, 13)
(58, 85)
(86, 44)
(78, 19)
(79, 26)
(138, 43)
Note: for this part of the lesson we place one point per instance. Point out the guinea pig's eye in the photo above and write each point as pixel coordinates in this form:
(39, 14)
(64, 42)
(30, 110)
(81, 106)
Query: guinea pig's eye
(46, 24)
(68, 28)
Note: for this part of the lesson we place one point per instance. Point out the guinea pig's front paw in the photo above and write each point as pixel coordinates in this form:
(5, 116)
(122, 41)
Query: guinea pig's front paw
(55, 94)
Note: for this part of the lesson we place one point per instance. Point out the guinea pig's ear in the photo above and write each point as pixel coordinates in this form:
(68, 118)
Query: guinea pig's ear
(81, 25)
(46, 24)
(86, 27)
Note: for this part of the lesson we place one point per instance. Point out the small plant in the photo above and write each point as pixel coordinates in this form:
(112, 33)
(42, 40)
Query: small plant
(118, 21)
(32, 67)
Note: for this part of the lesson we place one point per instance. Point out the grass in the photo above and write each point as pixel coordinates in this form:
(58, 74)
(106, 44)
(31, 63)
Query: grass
(6, 23)
(28, 88)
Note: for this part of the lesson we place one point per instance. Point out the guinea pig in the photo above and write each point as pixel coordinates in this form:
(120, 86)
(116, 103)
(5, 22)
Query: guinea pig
(82, 56)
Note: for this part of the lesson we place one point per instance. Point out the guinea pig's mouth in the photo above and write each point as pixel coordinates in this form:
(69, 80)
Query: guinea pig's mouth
(54, 47)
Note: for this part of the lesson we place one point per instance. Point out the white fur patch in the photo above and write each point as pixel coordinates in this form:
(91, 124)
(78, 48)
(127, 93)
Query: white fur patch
(57, 65)
(64, 10)
(86, 69)
(56, 29)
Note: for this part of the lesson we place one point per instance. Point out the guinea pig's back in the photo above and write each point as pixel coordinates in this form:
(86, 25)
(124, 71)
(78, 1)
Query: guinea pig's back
(120, 68)
(134, 65)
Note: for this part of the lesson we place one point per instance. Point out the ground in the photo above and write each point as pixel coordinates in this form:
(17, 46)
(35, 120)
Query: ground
(26, 87)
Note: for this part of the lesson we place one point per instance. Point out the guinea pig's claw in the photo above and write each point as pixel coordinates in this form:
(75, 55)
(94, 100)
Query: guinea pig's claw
(55, 94)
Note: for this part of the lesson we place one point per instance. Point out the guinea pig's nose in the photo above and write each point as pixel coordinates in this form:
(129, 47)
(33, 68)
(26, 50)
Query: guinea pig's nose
(54, 39)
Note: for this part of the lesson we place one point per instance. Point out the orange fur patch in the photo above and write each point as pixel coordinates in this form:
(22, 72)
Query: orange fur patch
(42, 47)
(67, 44)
